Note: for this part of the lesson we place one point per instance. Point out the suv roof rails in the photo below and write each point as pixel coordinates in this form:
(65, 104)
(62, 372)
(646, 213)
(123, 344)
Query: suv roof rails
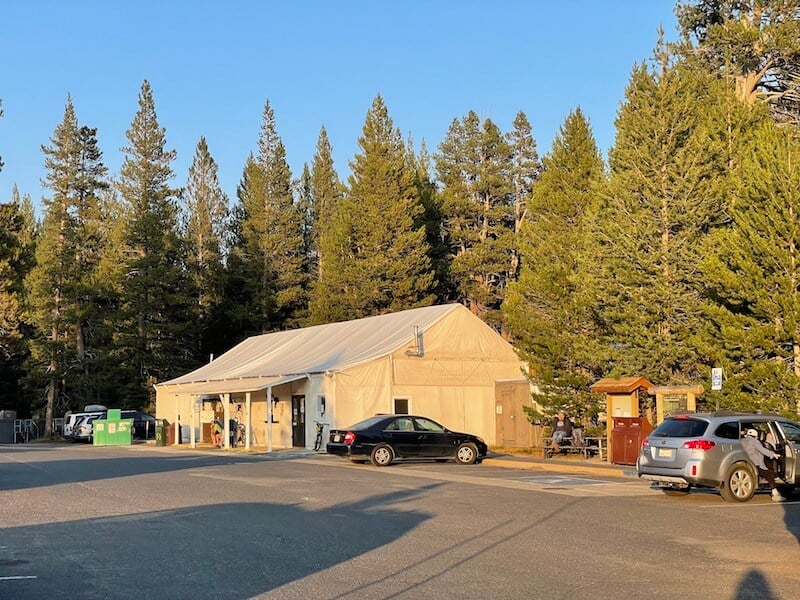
(743, 413)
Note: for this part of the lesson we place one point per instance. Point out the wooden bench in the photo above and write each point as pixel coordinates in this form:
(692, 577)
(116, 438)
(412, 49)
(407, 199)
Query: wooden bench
(591, 446)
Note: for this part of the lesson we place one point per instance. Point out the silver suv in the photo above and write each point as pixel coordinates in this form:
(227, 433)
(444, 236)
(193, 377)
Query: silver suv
(704, 449)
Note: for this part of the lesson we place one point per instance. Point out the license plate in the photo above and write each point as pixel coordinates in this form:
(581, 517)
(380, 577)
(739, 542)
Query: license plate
(337, 438)
(664, 453)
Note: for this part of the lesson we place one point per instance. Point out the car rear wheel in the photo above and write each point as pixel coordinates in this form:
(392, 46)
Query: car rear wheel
(467, 454)
(382, 455)
(740, 483)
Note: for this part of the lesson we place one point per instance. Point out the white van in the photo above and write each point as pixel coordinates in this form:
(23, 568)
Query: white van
(72, 420)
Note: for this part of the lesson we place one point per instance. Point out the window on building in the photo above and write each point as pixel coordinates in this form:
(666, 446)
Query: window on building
(401, 406)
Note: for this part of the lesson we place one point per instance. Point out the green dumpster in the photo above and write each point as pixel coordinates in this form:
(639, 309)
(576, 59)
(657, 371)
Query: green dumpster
(161, 432)
(112, 431)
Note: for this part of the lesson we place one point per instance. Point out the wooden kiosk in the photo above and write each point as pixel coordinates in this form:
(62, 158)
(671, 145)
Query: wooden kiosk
(676, 398)
(625, 428)
(622, 397)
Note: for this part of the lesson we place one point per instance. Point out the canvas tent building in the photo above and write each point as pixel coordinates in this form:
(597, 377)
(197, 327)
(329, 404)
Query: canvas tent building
(439, 361)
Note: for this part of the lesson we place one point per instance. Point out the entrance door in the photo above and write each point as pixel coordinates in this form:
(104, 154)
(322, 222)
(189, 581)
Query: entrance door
(512, 427)
(298, 421)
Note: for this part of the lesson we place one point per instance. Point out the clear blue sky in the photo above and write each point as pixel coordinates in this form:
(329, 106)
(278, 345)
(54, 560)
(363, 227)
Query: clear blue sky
(212, 65)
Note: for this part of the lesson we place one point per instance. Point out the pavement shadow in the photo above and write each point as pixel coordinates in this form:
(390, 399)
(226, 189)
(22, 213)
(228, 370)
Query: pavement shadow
(24, 468)
(791, 518)
(227, 551)
(754, 586)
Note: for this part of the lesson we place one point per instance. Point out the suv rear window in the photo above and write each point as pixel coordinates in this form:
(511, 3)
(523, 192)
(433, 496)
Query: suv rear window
(681, 428)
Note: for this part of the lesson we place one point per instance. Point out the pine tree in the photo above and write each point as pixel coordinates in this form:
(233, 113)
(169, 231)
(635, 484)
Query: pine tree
(326, 193)
(526, 170)
(543, 309)
(205, 227)
(433, 220)
(475, 166)
(242, 304)
(12, 270)
(153, 341)
(84, 309)
(62, 286)
(374, 255)
(650, 234)
(16, 257)
(272, 233)
(754, 277)
(308, 229)
(55, 272)
(326, 188)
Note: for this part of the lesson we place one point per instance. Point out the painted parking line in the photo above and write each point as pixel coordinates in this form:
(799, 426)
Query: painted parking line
(562, 480)
(10, 577)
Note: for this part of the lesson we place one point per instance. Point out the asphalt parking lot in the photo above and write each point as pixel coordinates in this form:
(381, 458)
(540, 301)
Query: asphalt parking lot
(85, 522)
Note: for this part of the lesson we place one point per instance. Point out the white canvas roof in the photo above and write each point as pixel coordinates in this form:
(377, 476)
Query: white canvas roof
(273, 358)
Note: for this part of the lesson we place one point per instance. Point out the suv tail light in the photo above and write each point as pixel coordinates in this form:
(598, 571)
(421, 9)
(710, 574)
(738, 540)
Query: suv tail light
(349, 437)
(645, 443)
(699, 444)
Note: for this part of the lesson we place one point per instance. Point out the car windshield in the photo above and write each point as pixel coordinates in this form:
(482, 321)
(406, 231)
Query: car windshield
(681, 428)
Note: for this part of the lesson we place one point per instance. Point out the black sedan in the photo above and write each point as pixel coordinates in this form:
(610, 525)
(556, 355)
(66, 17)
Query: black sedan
(384, 438)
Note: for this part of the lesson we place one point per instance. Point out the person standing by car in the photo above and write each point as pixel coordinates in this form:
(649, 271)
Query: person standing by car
(562, 428)
(233, 431)
(756, 452)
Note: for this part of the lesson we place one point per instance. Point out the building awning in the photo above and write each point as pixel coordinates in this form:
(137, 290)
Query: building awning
(229, 386)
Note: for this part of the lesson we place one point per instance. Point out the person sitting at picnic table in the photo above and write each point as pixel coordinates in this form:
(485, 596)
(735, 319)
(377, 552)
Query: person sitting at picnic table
(562, 428)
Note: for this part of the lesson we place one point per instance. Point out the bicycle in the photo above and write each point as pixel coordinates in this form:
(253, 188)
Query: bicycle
(319, 427)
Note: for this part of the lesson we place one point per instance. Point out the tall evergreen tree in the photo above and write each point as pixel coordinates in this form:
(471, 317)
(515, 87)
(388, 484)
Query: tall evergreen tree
(325, 190)
(374, 256)
(651, 233)
(544, 309)
(15, 262)
(272, 233)
(243, 304)
(754, 277)
(62, 286)
(55, 271)
(85, 311)
(433, 220)
(525, 172)
(205, 227)
(153, 341)
(474, 165)
(308, 231)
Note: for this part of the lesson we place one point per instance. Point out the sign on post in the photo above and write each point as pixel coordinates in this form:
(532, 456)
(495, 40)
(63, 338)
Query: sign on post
(716, 378)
